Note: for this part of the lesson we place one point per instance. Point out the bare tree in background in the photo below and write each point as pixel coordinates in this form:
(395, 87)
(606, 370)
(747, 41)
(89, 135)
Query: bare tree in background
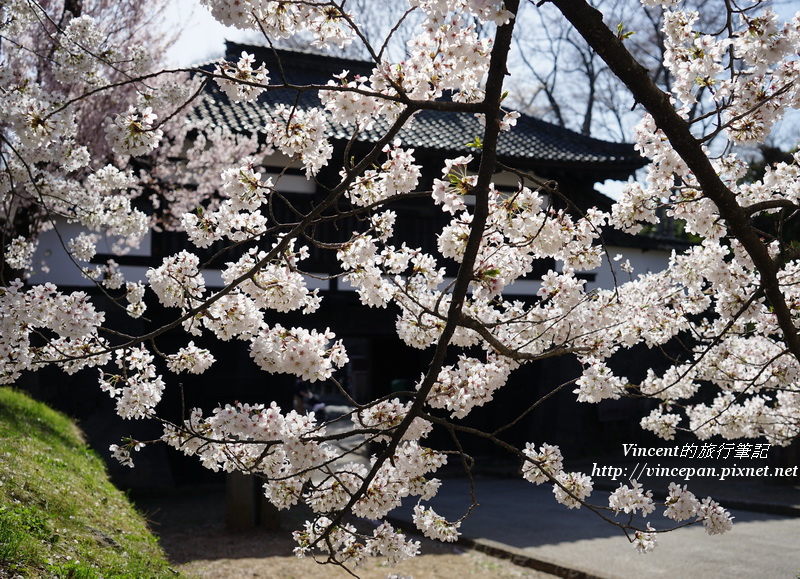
(561, 79)
(385, 26)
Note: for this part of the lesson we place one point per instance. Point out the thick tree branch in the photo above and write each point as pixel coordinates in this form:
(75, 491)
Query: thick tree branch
(589, 22)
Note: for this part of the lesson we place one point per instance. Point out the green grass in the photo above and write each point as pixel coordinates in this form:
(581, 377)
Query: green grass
(59, 514)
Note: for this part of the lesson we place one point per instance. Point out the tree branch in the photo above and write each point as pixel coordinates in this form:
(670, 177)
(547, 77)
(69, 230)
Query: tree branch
(589, 22)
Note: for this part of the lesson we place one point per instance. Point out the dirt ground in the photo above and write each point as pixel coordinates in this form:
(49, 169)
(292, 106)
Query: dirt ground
(192, 531)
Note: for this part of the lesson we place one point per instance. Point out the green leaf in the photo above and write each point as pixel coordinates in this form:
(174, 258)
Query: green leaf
(476, 143)
(623, 35)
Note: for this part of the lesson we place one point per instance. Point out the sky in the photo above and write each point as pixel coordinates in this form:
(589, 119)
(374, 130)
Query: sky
(204, 38)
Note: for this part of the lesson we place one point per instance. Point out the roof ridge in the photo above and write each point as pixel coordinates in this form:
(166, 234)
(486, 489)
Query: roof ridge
(533, 142)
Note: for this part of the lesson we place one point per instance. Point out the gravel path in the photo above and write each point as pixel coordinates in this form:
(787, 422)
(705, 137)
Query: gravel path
(191, 529)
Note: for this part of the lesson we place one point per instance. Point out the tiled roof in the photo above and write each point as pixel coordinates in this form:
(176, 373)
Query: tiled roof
(532, 142)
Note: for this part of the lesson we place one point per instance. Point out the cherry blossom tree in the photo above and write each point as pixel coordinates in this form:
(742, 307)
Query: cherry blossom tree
(731, 301)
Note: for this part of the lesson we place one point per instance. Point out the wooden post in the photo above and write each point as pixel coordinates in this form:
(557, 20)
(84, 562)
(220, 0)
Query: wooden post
(246, 507)
(269, 517)
(240, 504)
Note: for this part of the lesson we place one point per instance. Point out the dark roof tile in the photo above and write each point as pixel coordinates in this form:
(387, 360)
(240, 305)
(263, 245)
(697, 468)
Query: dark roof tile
(531, 142)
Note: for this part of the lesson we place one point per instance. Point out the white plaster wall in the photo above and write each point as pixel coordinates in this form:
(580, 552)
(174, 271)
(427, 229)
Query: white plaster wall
(63, 271)
(642, 260)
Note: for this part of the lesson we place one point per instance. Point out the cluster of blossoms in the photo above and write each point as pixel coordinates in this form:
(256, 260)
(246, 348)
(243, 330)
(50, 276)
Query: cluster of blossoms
(761, 88)
(241, 81)
(662, 425)
(598, 383)
(48, 178)
(85, 55)
(243, 185)
(434, 526)
(737, 362)
(134, 133)
(284, 449)
(138, 389)
(104, 204)
(520, 229)
(39, 126)
(273, 283)
(632, 500)
(386, 416)
(237, 218)
(211, 440)
(397, 175)
(302, 134)
(351, 546)
(769, 88)
(71, 318)
(645, 541)
(484, 10)
(543, 465)
(468, 384)
(695, 59)
(279, 19)
(571, 488)
(190, 359)
(546, 465)
(403, 476)
(19, 253)
(355, 105)
(298, 351)
(448, 55)
(682, 504)
(73, 58)
(134, 293)
(84, 246)
(178, 281)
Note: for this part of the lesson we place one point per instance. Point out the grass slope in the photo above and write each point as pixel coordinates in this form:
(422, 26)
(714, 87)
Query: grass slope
(59, 514)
